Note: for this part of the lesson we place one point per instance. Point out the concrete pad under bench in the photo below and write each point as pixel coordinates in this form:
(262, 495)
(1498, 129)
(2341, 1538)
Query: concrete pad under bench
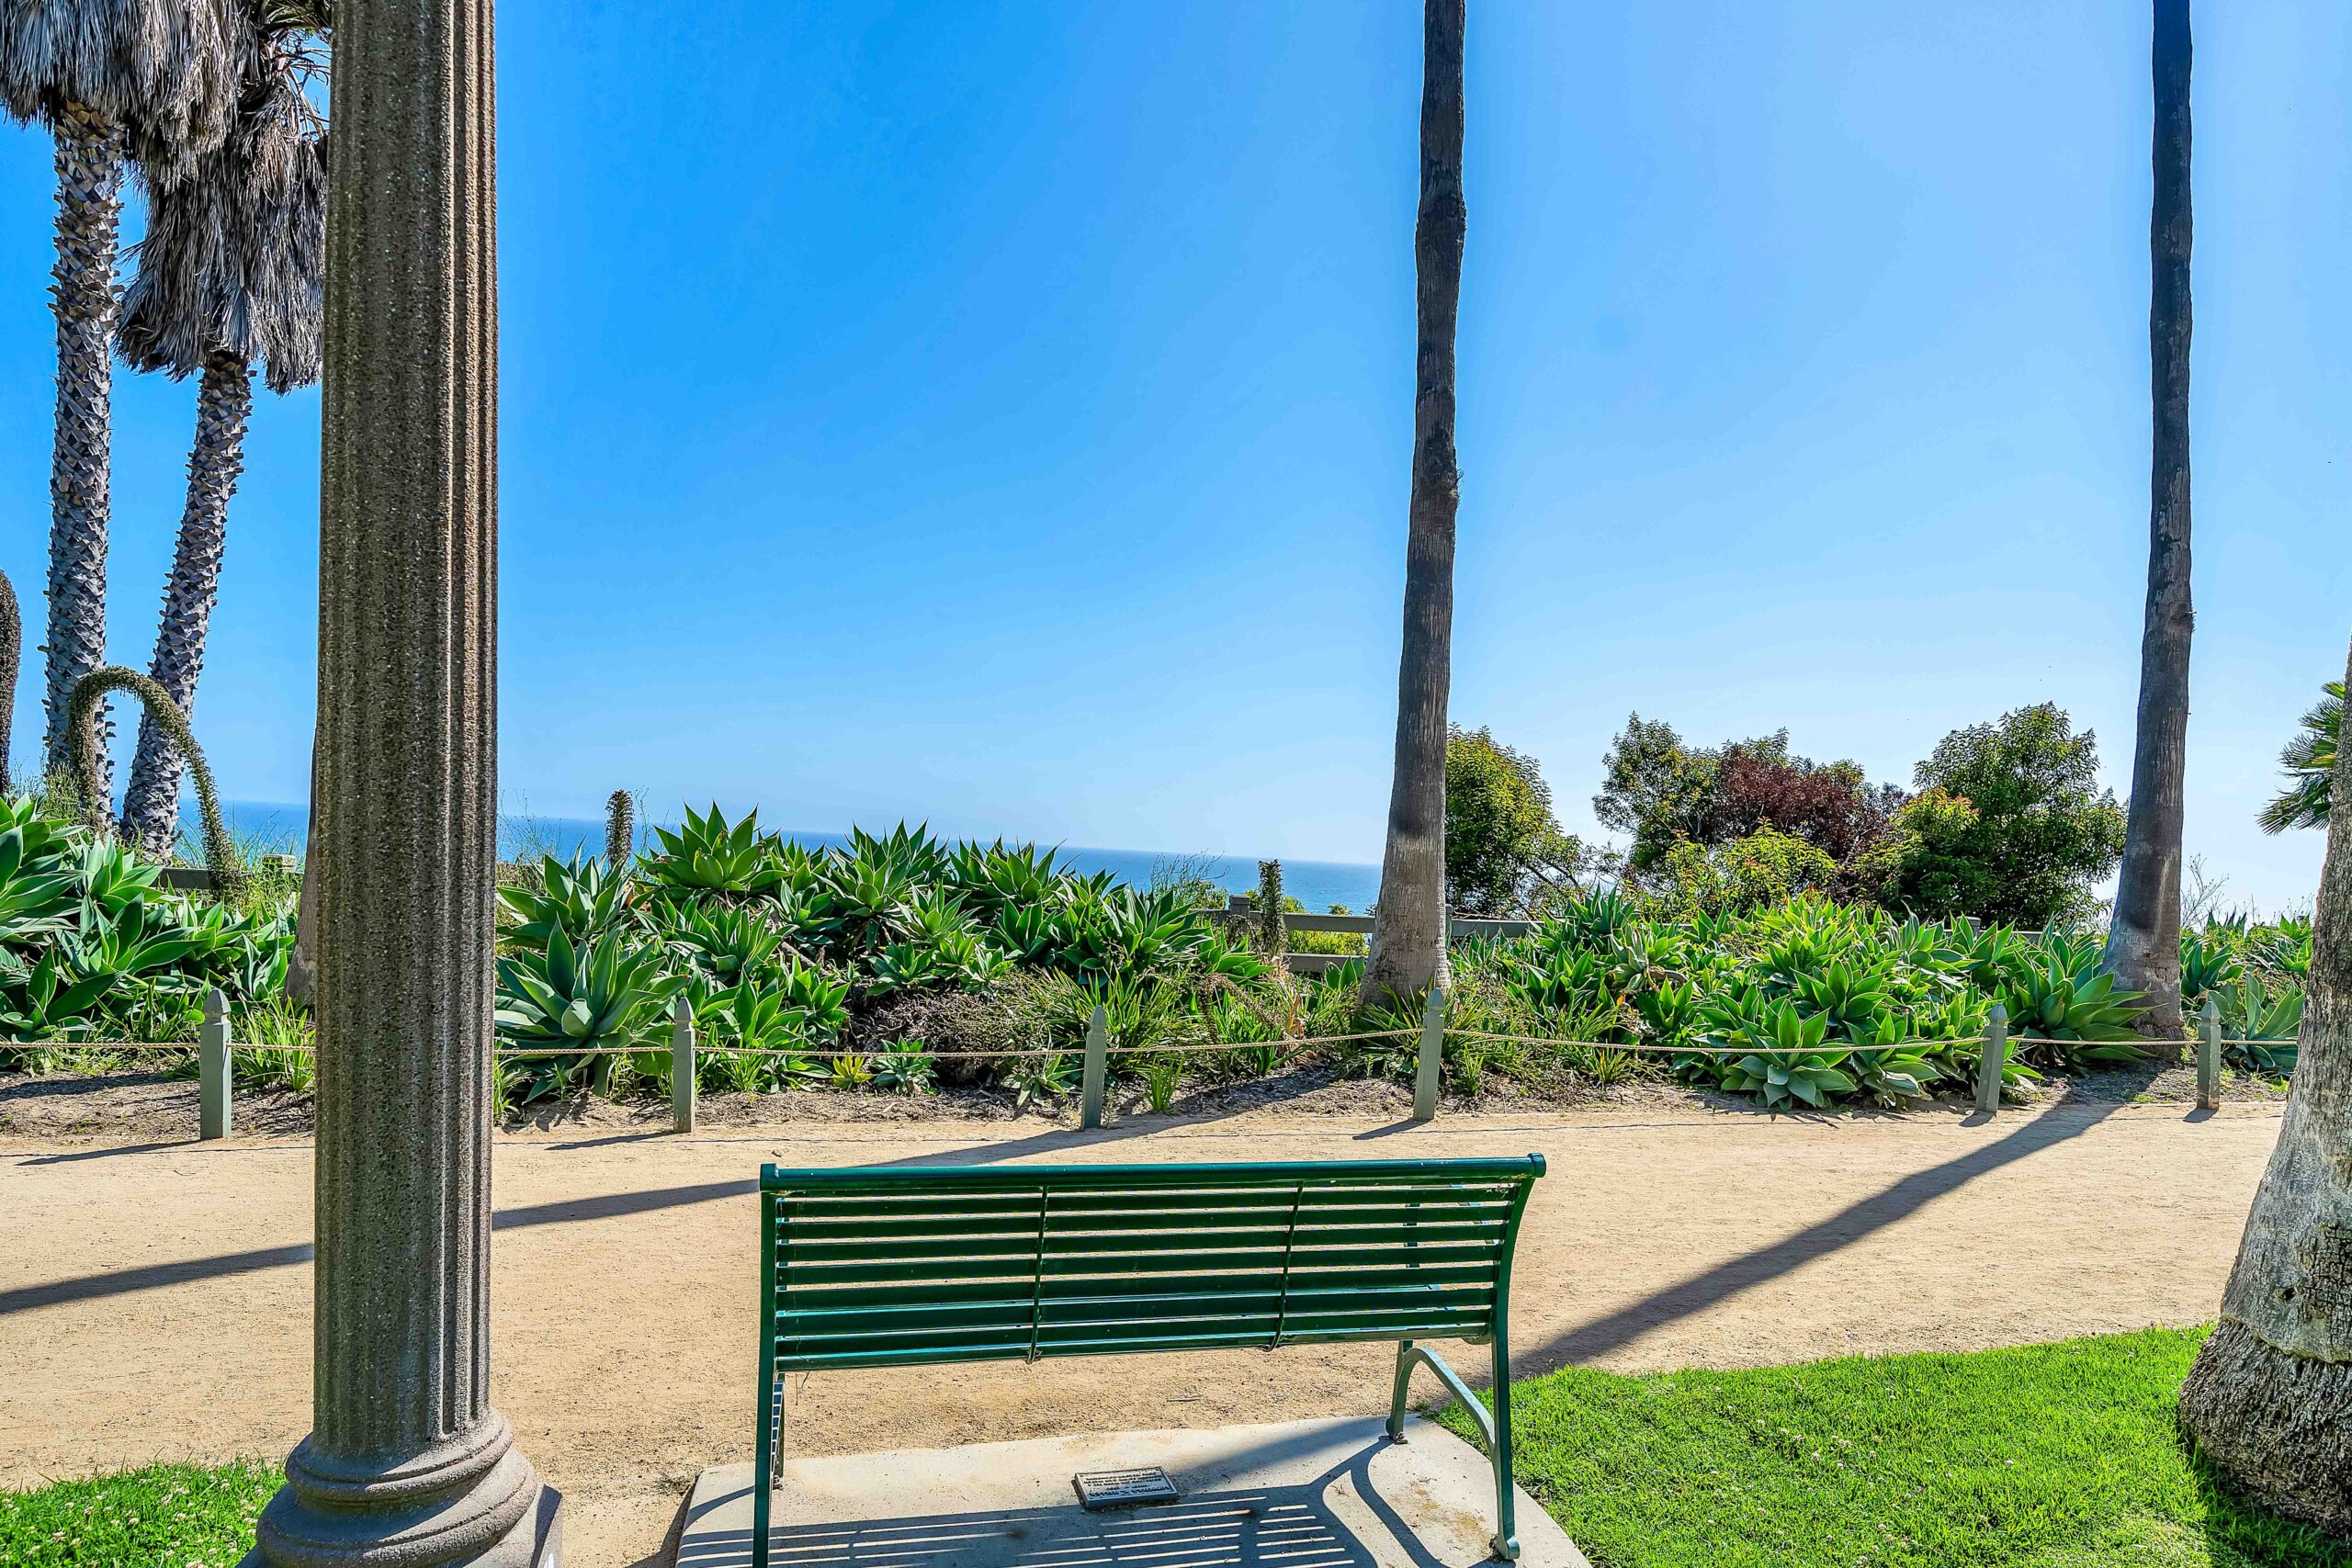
(1287, 1494)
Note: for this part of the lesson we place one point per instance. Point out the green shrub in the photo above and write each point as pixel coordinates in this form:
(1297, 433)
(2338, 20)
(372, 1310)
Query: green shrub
(2036, 836)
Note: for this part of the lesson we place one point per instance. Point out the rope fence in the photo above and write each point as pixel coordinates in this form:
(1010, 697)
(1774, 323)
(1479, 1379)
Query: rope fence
(214, 1049)
(1294, 1042)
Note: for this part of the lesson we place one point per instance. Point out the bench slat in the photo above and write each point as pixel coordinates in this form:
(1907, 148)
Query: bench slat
(1473, 1330)
(1059, 1266)
(1245, 1302)
(803, 1251)
(948, 1293)
(809, 1222)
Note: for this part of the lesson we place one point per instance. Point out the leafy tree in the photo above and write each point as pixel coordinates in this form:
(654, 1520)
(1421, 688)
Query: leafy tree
(229, 277)
(1765, 867)
(1503, 846)
(2010, 826)
(1656, 789)
(1665, 793)
(2309, 761)
(1409, 936)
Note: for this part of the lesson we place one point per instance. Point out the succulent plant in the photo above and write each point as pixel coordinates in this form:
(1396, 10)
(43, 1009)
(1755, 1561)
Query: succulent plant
(12, 649)
(1272, 938)
(620, 830)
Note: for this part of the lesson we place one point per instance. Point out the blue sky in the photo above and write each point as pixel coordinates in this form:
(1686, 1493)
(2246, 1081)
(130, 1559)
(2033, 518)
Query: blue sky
(1001, 414)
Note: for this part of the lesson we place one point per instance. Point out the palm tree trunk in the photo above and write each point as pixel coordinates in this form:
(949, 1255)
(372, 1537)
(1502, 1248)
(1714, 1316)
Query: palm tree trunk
(2269, 1401)
(151, 807)
(89, 218)
(1408, 933)
(2143, 941)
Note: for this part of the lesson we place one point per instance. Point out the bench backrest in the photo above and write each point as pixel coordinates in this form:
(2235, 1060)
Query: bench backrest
(911, 1265)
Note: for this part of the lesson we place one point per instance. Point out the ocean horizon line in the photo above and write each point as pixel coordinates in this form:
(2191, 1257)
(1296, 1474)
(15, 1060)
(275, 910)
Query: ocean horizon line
(1317, 884)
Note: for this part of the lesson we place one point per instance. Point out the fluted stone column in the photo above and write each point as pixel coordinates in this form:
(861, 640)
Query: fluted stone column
(407, 1465)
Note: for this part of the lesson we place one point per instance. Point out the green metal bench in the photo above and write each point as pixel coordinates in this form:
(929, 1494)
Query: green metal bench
(911, 1266)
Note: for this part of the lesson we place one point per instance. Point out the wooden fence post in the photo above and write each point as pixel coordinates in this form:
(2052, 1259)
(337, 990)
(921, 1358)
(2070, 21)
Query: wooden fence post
(1996, 1053)
(682, 1065)
(1098, 1048)
(212, 1068)
(1432, 1059)
(2209, 1056)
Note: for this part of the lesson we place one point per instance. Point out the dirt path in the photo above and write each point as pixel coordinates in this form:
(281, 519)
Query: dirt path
(154, 1298)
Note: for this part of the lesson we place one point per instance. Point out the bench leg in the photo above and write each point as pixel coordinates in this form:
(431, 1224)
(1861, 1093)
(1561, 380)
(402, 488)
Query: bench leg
(1493, 1427)
(1404, 1388)
(1506, 1542)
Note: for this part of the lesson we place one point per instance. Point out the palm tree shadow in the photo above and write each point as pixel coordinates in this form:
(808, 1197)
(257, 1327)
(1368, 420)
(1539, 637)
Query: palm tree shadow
(2070, 1118)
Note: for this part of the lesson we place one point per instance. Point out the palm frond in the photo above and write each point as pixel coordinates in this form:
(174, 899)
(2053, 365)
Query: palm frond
(235, 251)
(165, 70)
(2309, 761)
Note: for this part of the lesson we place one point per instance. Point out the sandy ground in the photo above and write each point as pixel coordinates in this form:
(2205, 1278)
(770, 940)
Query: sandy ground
(156, 1297)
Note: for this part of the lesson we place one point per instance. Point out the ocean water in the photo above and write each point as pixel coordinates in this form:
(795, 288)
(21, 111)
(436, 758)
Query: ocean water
(279, 828)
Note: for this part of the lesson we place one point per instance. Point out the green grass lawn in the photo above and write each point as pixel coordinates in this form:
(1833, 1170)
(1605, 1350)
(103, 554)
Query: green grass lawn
(2043, 1456)
(171, 1516)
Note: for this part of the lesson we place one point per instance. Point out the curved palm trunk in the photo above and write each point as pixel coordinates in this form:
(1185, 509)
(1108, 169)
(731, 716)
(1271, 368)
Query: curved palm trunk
(89, 219)
(151, 807)
(2143, 941)
(2269, 1401)
(1408, 933)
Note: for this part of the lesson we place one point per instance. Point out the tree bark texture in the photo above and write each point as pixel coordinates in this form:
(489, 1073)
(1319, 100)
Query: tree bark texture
(224, 397)
(2143, 940)
(1408, 937)
(407, 1464)
(2269, 1401)
(89, 222)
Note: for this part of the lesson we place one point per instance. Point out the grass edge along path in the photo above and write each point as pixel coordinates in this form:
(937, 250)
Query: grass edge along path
(2063, 1455)
(2039, 1456)
(165, 1515)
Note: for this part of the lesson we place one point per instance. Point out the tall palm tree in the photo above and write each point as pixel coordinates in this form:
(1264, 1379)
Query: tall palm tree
(1408, 930)
(2143, 939)
(153, 79)
(2310, 761)
(229, 276)
(2265, 1400)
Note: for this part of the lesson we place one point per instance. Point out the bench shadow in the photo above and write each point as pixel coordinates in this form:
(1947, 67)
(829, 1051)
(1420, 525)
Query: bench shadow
(1245, 1527)
(2069, 1119)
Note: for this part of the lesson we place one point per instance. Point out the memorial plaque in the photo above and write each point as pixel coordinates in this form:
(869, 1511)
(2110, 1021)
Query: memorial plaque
(1100, 1489)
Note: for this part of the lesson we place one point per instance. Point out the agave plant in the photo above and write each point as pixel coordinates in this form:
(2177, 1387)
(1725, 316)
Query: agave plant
(48, 1003)
(2206, 965)
(1002, 876)
(604, 994)
(37, 897)
(2263, 1021)
(708, 855)
(729, 944)
(582, 898)
(1852, 999)
(869, 900)
(1801, 1067)
(903, 1066)
(2075, 1009)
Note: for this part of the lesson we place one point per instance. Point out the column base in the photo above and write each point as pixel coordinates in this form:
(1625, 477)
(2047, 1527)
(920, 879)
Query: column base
(536, 1541)
(475, 1503)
